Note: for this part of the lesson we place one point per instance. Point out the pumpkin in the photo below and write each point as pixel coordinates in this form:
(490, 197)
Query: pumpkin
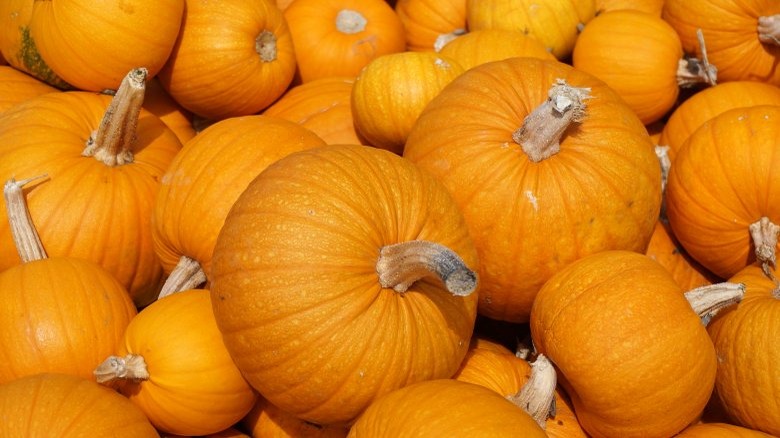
(666, 250)
(739, 35)
(481, 46)
(430, 24)
(708, 103)
(16, 87)
(58, 314)
(60, 405)
(722, 185)
(190, 208)
(538, 191)
(444, 407)
(322, 106)
(103, 177)
(250, 52)
(173, 365)
(745, 338)
(649, 79)
(627, 344)
(555, 23)
(17, 45)
(161, 104)
(654, 7)
(341, 273)
(391, 92)
(267, 421)
(720, 430)
(493, 366)
(339, 37)
(89, 60)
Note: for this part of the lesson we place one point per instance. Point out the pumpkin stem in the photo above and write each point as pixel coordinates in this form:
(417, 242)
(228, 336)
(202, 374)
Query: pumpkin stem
(769, 29)
(662, 152)
(764, 233)
(444, 38)
(692, 70)
(541, 132)
(537, 396)
(188, 274)
(265, 46)
(26, 239)
(112, 143)
(708, 300)
(130, 367)
(349, 21)
(402, 264)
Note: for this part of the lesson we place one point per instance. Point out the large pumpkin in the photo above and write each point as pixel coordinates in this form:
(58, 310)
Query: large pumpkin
(430, 24)
(538, 191)
(16, 87)
(309, 290)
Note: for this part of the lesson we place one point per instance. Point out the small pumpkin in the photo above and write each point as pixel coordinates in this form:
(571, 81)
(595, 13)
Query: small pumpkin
(720, 430)
(666, 250)
(62, 405)
(16, 87)
(161, 104)
(354, 271)
(339, 37)
(268, 421)
(391, 92)
(430, 24)
(486, 45)
(654, 7)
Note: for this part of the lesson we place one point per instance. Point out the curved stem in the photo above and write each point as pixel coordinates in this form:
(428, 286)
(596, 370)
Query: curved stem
(764, 234)
(130, 367)
(537, 396)
(402, 264)
(28, 242)
(112, 143)
(769, 29)
(541, 132)
(692, 71)
(708, 300)
(188, 274)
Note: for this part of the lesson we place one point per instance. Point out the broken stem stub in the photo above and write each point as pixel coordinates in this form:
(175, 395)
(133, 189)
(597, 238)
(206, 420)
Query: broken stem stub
(131, 367)
(708, 300)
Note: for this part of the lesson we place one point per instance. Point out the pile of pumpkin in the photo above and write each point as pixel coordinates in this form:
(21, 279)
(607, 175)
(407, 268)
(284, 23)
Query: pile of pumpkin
(364, 218)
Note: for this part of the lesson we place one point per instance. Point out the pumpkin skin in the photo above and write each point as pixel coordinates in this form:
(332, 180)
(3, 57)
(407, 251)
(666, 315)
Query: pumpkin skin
(745, 338)
(654, 7)
(68, 406)
(464, 138)
(161, 104)
(339, 37)
(194, 388)
(255, 56)
(708, 103)
(729, 29)
(190, 208)
(43, 301)
(686, 271)
(430, 24)
(85, 208)
(16, 87)
(391, 92)
(90, 60)
(622, 386)
(451, 408)
(554, 23)
(322, 106)
(710, 213)
(482, 46)
(720, 430)
(646, 79)
(302, 241)
(267, 421)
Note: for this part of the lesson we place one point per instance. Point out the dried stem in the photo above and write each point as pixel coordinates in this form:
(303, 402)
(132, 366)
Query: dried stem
(350, 22)
(692, 71)
(443, 39)
(130, 367)
(537, 396)
(26, 239)
(769, 29)
(188, 274)
(708, 300)
(112, 143)
(265, 46)
(402, 264)
(764, 234)
(541, 132)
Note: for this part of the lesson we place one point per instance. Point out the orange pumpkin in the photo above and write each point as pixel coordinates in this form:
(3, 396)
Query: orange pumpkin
(16, 87)
(161, 104)
(735, 35)
(444, 407)
(59, 405)
(649, 80)
(391, 92)
(237, 68)
(268, 421)
(103, 177)
(627, 344)
(190, 209)
(481, 46)
(745, 338)
(579, 184)
(654, 7)
(173, 365)
(722, 184)
(308, 265)
(720, 430)
(339, 37)
(323, 106)
(666, 250)
(90, 60)
(430, 24)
